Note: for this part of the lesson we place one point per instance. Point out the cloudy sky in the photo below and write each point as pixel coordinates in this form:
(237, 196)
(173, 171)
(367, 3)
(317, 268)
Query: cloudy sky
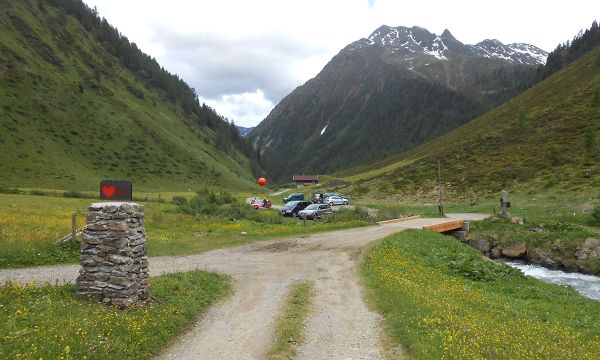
(243, 57)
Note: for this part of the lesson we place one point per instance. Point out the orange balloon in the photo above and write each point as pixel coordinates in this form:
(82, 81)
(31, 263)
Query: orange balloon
(262, 181)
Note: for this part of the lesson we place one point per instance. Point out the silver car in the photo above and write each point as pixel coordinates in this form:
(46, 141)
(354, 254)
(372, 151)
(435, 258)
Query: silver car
(336, 200)
(315, 211)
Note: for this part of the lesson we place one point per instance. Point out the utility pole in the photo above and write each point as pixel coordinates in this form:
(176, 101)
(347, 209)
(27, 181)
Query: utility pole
(441, 191)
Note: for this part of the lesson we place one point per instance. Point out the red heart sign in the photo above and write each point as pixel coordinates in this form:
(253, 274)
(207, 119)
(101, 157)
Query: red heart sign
(109, 190)
(116, 190)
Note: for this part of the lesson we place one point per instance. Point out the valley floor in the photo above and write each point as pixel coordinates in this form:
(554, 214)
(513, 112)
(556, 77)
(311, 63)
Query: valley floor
(340, 326)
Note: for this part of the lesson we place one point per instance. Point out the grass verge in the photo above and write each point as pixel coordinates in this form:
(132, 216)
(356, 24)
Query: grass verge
(288, 331)
(440, 299)
(49, 322)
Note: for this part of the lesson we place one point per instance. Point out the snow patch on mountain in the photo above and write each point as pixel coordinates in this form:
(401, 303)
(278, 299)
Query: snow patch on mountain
(530, 50)
(407, 40)
(517, 53)
(417, 40)
(325, 128)
(437, 49)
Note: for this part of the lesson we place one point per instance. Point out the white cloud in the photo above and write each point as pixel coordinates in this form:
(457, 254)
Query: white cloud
(246, 109)
(243, 57)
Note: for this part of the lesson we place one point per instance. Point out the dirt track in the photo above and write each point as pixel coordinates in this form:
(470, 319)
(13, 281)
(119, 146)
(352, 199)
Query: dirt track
(241, 326)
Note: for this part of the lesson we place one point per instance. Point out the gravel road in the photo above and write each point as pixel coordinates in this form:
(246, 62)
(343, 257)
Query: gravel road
(241, 326)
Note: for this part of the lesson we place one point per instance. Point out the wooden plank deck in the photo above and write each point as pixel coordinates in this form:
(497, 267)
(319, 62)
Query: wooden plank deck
(446, 226)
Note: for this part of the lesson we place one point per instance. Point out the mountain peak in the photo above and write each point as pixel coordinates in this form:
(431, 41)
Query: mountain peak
(447, 35)
(491, 41)
(404, 41)
(408, 42)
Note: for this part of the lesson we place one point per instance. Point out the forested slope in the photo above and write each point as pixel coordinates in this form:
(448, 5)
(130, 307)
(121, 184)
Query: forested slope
(79, 102)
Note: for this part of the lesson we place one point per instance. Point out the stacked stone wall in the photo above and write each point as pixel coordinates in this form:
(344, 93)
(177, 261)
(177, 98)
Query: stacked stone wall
(114, 265)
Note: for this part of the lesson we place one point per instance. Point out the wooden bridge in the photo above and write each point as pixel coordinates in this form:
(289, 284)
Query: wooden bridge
(451, 225)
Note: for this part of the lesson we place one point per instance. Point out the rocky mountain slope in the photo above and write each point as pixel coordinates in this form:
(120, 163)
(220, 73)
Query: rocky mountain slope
(79, 103)
(389, 92)
(547, 139)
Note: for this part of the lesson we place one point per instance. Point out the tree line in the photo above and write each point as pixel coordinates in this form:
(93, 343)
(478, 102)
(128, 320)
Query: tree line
(566, 53)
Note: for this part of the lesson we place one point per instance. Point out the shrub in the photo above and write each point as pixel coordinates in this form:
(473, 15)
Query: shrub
(335, 183)
(5, 190)
(596, 97)
(212, 204)
(592, 143)
(358, 213)
(73, 194)
(391, 212)
(596, 215)
(179, 200)
(360, 190)
(473, 266)
(384, 188)
(523, 120)
(562, 227)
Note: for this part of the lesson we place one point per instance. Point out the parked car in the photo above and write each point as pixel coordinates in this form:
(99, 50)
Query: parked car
(326, 195)
(264, 203)
(336, 200)
(293, 197)
(293, 207)
(315, 211)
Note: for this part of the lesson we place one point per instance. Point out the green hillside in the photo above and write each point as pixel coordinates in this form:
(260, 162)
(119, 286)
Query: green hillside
(546, 139)
(77, 106)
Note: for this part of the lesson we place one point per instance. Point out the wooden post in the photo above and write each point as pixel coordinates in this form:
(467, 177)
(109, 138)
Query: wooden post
(441, 192)
(504, 204)
(304, 216)
(73, 225)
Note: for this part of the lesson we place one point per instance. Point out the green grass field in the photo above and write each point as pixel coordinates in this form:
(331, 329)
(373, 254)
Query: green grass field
(441, 300)
(50, 323)
(30, 224)
(376, 172)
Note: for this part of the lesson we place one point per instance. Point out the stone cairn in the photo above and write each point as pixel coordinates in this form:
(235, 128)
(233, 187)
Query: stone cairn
(113, 255)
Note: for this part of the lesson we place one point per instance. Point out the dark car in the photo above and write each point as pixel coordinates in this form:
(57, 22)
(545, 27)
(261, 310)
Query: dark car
(293, 197)
(293, 207)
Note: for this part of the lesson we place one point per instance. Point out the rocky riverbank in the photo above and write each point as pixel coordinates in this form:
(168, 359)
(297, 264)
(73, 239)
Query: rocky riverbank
(584, 259)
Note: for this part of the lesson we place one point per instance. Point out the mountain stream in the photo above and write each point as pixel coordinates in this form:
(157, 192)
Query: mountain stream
(586, 285)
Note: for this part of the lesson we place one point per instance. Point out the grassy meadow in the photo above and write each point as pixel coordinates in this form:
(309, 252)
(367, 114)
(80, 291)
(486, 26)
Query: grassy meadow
(30, 224)
(441, 299)
(48, 322)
